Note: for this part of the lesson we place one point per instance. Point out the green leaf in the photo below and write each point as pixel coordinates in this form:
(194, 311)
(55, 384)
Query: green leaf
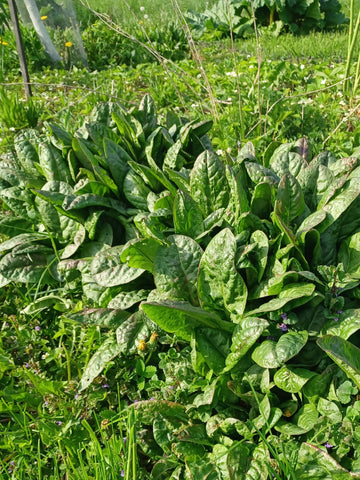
(135, 190)
(220, 286)
(108, 270)
(124, 300)
(314, 462)
(347, 325)
(131, 332)
(289, 199)
(285, 161)
(117, 160)
(47, 301)
(329, 410)
(260, 252)
(103, 317)
(261, 200)
(349, 255)
(302, 422)
(182, 318)
(344, 354)
(292, 292)
(52, 164)
(22, 239)
(106, 352)
(176, 267)
(271, 354)
(188, 219)
(244, 337)
(292, 379)
(214, 346)
(140, 253)
(208, 185)
(25, 268)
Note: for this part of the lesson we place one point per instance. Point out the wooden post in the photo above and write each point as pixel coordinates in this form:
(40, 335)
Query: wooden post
(20, 48)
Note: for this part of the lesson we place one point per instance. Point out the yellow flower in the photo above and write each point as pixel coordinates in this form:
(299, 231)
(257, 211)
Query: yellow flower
(142, 345)
(68, 44)
(44, 17)
(3, 43)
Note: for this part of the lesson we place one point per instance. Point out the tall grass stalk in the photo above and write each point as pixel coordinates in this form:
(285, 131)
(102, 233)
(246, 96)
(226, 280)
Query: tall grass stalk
(238, 87)
(352, 37)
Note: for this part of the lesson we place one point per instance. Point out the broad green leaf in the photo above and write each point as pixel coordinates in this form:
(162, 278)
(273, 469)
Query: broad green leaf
(22, 239)
(245, 335)
(148, 175)
(188, 219)
(344, 354)
(176, 267)
(52, 164)
(220, 286)
(20, 202)
(202, 469)
(47, 301)
(348, 323)
(290, 292)
(271, 354)
(146, 410)
(140, 253)
(303, 421)
(349, 255)
(260, 174)
(242, 464)
(214, 346)
(25, 268)
(108, 270)
(238, 195)
(135, 190)
(131, 332)
(103, 317)
(208, 184)
(285, 161)
(260, 252)
(182, 318)
(261, 200)
(77, 202)
(124, 300)
(329, 410)
(292, 379)
(289, 199)
(25, 149)
(106, 352)
(117, 160)
(181, 179)
(314, 462)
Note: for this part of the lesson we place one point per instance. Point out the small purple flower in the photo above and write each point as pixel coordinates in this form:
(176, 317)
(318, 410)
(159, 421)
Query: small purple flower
(12, 463)
(171, 387)
(58, 422)
(284, 316)
(122, 473)
(76, 396)
(336, 319)
(136, 400)
(339, 312)
(269, 338)
(27, 365)
(10, 470)
(46, 403)
(106, 385)
(152, 398)
(328, 445)
(37, 328)
(283, 327)
(124, 440)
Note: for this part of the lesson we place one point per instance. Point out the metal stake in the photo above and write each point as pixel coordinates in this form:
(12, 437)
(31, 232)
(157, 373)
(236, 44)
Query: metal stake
(20, 48)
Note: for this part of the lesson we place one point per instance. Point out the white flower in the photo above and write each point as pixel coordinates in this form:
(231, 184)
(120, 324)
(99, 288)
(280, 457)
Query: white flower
(219, 152)
(323, 82)
(230, 74)
(146, 16)
(142, 9)
(302, 67)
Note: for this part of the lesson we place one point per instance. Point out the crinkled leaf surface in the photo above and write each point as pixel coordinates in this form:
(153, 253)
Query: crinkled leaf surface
(208, 184)
(108, 270)
(271, 354)
(176, 267)
(220, 286)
